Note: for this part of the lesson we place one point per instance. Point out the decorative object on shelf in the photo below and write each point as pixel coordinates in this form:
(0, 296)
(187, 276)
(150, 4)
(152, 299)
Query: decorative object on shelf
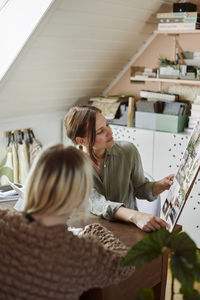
(172, 69)
(164, 62)
(143, 72)
(191, 58)
(188, 93)
(169, 68)
(117, 109)
(108, 106)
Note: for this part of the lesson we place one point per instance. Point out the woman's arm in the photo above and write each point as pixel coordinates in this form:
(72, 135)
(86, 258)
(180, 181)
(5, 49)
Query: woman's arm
(112, 210)
(144, 221)
(100, 206)
(145, 189)
(105, 257)
(105, 237)
(162, 185)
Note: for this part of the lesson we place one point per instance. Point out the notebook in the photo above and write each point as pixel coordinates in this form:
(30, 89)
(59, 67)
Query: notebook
(184, 180)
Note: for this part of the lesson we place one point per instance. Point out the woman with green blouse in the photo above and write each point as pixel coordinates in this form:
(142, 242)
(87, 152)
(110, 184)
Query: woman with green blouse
(117, 170)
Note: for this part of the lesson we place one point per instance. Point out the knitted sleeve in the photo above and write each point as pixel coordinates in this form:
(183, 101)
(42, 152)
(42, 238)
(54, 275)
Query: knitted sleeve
(109, 253)
(105, 237)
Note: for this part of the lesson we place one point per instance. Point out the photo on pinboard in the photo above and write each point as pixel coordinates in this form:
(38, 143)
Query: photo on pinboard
(184, 180)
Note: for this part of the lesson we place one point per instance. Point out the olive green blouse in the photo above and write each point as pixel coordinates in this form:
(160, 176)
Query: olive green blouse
(120, 182)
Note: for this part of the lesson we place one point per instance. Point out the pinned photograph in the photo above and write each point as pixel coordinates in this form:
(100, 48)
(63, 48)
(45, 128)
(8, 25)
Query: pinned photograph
(184, 180)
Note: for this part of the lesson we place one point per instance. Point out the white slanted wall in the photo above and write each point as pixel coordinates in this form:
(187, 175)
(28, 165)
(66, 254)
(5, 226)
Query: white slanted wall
(74, 52)
(18, 19)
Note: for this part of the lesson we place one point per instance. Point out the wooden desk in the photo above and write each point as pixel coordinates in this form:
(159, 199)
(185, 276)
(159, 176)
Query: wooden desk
(153, 275)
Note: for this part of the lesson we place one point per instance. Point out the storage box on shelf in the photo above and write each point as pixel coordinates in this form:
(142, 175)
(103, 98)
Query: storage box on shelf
(160, 122)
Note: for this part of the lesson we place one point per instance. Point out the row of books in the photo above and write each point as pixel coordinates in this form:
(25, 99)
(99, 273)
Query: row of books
(166, 108)
(178, 21)
(158, 96)
(160, 102)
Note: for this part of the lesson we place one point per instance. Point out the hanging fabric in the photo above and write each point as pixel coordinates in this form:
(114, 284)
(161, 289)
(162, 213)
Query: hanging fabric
(6, 166)
(21, 149)
(23, 157)
(34, 146)
(15, 159)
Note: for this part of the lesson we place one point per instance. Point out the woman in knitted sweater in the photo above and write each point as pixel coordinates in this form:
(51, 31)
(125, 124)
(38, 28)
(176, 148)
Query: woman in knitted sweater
(39, 257)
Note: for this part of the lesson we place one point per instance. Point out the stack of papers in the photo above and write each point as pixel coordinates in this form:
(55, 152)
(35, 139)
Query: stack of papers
(11, 192)
(7, 193)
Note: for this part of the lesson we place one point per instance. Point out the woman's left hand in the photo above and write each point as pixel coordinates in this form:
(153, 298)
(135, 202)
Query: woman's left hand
(162, 185)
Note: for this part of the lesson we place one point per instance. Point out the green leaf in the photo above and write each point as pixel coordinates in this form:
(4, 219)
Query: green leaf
(182, 270)
(150, 247)
(184, 246)
(189, 294)
(197, 266)
(145, 294)
(185, 263)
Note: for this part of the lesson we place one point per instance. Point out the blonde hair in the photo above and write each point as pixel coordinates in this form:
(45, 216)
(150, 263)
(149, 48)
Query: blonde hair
(60, 180)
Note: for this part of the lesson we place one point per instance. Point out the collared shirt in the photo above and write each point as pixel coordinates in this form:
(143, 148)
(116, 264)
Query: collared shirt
(120, 182)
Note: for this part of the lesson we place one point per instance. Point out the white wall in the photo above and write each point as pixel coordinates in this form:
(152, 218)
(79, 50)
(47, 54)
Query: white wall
(46, 127)
(18, 19)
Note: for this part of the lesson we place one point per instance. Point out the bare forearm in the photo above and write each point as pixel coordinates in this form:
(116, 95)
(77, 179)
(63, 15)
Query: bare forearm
(124, 214)
(144, 221)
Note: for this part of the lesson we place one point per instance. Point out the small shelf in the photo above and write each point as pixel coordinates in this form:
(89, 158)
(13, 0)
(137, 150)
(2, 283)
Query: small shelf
(197, 31)
(177, 81)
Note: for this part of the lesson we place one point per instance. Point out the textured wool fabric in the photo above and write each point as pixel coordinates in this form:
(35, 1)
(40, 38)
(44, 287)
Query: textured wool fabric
(40, 262)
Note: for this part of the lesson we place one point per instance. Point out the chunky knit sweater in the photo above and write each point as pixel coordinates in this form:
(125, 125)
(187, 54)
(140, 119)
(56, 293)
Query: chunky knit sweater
(40, 262)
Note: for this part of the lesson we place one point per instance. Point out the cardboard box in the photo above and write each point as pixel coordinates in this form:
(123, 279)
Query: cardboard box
(160, 122)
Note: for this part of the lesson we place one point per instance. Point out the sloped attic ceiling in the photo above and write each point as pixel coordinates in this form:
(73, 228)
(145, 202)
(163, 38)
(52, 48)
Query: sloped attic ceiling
(75, 52)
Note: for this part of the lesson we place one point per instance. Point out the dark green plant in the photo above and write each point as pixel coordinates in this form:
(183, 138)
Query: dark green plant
(164, 62)
(184, 259)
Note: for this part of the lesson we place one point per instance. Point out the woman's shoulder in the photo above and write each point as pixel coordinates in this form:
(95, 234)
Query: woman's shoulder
(7, 215)
(125, 146)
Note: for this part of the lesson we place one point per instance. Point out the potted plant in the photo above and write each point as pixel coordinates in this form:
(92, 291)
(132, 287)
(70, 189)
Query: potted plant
(184, 260)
